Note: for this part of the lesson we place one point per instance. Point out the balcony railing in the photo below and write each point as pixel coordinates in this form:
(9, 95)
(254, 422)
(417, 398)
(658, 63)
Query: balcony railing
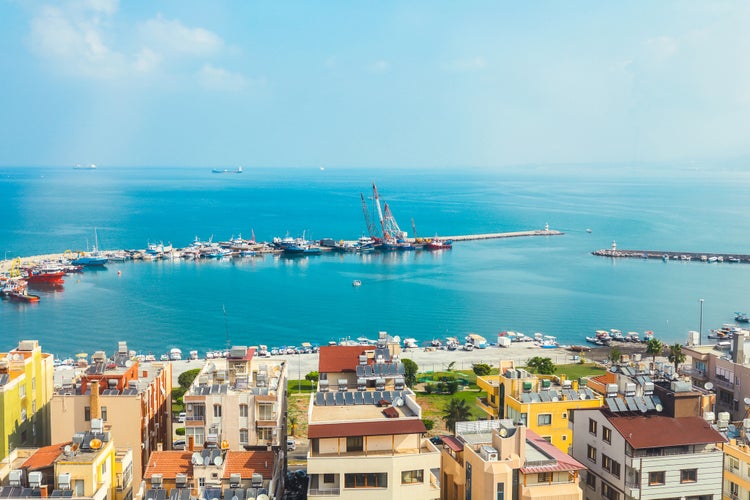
(323, 492)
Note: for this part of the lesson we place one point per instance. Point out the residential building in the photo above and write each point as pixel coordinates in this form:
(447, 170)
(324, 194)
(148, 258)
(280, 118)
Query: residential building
(132, 399)
(639, 453)
(367, 438)
(541, 403)
(239, 402)
(26, 375)
(213, 473)
(737, 467)
(497, 459)
(725, 373)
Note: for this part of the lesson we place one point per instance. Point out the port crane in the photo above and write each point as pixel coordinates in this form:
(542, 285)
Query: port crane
(391, 230)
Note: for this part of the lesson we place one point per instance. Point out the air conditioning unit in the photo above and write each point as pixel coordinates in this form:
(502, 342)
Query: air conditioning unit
(14, 479)
(97, 425)
(156, 481)
(180, 480)
(63, 481)
(257, 480)
(488, 453)
(35, 479)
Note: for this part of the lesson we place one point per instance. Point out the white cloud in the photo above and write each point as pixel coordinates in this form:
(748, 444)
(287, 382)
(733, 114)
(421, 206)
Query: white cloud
(173, 37)
(216, 78)
(379, 66)
(476, 63)
(663, 47)
(146, 61)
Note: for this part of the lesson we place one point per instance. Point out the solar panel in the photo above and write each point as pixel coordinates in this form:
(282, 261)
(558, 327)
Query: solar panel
(67, 494)
(377, 396)
(55, 493)
(631, 403)
(358, 398)
(212, 493)
(368, 371)
(339, 399)
(367, 397)
(330, 399)
(545, 397)
(649, 403)
(612, 405)
(641, 405)
(387, 396)
(348, 398)
(360, 371)
(320, 399)
(4, 378)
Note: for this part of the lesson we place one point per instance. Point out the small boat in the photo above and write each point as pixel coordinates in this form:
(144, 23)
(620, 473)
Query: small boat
(410, 343)
(741, 318)
(356, 283)
(588, 229)
(23, 297)
(193, 355)
(437, 243)
(175, 354)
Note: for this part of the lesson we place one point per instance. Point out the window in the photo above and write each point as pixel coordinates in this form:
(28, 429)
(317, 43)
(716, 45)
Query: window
(609, 492)
(329, 478)
(607, 434)
(500, 491)
(544, 477)
(592, 426)
(217, 411)
(362, 480)
(33, 383)
(412, 476)
(354, 443)
(564, 438)
(688, 475)
(87, 413)
(22, 391)
(23, 414)
(201, 481)
(591, 453)
(265, 411)
(544, 419)
(591, 480)
(243, 410)
(564, 415)
(610, 465)
(656, 478)
(243, 436)
(264, 433)
(104, 413)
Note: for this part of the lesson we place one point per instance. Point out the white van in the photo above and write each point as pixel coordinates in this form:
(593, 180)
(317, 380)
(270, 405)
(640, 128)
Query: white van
(291, 444)
(181, 418)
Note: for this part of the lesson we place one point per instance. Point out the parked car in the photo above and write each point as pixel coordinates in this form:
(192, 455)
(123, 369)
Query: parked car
(181, 418)
(179, 444)
(291, 444)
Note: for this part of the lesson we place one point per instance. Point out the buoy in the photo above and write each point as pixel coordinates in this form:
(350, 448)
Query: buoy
(119, 273)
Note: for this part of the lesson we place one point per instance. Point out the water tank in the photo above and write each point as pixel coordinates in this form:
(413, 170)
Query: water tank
(35, 479)
(257, 480)
(14, 479)
(709, 416)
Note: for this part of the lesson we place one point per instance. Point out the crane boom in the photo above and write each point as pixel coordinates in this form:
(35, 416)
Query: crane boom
(370, 226)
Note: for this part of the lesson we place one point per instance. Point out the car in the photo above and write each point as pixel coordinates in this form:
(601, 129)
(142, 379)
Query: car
(179, 444)
(181, 418)
(291, 444)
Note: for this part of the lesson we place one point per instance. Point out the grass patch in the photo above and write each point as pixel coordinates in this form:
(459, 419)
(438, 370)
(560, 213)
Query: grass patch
(433, 405)
(576, 371)
(300, 386)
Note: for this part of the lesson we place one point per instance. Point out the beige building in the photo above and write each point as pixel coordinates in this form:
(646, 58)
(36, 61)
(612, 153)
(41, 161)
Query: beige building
(133, 400)
(367, 438)
(26, 375)
(736, 468)
(494, 459)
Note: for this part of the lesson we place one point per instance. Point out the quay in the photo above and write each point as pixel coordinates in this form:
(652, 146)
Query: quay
(488, 236)
(667, 255)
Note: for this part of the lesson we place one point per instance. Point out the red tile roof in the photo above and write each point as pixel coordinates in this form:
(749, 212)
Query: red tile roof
(653, 431)
(44, 457)
(340, 358)
(564, 462)
(169, 464)
(375, 428)
(248, 462)
(453, 443)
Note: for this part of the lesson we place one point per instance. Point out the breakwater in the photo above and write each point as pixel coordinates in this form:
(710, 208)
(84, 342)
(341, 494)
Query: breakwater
(667, 255)
(515, 234)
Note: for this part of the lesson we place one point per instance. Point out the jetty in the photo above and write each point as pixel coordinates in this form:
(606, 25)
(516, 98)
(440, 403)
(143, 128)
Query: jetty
(667, 255)
(488, 236)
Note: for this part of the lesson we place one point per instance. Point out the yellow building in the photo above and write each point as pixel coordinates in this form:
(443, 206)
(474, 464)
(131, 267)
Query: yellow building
(541, 403)
(736, 470)
(25, 390)
(496, 459)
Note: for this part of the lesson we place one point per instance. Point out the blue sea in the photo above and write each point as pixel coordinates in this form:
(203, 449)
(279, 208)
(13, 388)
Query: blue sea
(551, 285)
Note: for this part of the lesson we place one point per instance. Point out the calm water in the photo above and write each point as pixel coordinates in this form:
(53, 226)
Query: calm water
(547, 284)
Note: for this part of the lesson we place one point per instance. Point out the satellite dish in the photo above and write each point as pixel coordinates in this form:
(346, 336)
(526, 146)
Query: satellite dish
(555, 399)
(95, 444)
(235, 497)
(644, 409)
(659, 407)
(207, 461)
(503, 432)
(196, 459)
(747, 401)
(399, 402)
(128, 363)
(67, 449)
(708, 386)
(218, 460)
(262, 497)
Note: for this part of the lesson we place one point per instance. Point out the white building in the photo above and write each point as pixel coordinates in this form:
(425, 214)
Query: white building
(647, 456)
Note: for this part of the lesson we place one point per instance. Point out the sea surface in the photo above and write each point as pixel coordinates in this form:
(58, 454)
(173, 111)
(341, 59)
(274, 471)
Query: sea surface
(551, 285)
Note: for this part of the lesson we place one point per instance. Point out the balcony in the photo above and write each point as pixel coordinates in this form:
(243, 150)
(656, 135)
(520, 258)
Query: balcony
(324, 492)
(485, 406)
(694, 372)
(195, 421)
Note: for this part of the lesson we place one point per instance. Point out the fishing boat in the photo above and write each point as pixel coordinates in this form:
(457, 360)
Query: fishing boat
(741, 318)
(23, 296)
(437, 243)
(44, 274)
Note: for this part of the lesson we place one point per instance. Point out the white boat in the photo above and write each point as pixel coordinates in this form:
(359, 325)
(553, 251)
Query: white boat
(175, 354)
(356, 283)
(193, 355)
(410, 343)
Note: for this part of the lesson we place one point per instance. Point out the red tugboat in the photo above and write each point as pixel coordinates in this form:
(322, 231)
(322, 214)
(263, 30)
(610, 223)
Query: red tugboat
(437, 243)
(45, 274)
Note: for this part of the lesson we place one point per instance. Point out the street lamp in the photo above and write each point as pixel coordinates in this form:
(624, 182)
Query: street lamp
(700, 327)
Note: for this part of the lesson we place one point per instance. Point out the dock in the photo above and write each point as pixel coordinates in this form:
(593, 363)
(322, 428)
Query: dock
(490, 236)
(667, 255)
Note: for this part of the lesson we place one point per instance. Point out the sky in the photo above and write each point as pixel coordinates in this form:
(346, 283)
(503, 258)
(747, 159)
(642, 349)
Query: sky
(372, 84)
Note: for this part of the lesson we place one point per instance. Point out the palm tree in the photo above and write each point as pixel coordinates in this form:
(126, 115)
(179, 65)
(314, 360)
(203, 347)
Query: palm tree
(654, 347)
(458, 410)
(292, 424)
(676, 356)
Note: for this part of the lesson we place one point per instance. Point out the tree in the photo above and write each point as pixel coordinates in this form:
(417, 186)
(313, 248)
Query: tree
(410, 372)
(451, 365)
(654, 347)
(541, 365)
(676, 356)
(292, 419)
(457, 410)
(615, 355)
(312, 377)
(481, 369)
(429, 424)
(186, 378)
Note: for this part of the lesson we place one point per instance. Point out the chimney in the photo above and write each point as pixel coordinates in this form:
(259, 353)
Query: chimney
(738, 348)
(96, 410)
(191, 443)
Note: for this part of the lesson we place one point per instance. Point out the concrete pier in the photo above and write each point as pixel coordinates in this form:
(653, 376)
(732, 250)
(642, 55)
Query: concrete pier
(667, 255)
(489, 236)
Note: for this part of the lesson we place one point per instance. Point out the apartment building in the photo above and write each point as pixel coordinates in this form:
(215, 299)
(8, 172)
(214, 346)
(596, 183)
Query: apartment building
(737, 467)
(541, 403)
(496, 459)
(133, 400)
(26, 375)
(367, 438)
(637, 453)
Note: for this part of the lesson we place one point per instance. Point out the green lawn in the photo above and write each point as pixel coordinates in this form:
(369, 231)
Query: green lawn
(300, 386)
(433, 405)
(576, 371)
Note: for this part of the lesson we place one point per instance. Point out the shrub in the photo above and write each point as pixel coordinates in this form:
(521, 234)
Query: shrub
(429, 424)
(481, 369)
(180, 431)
